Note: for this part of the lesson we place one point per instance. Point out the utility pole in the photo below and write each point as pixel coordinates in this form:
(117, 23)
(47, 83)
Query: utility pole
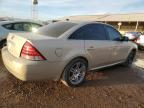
(34, 9)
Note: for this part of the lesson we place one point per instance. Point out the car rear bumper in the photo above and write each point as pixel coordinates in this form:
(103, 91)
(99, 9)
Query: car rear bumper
(31, 70)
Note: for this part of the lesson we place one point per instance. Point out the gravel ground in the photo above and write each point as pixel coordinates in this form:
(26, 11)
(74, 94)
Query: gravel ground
(115, 87)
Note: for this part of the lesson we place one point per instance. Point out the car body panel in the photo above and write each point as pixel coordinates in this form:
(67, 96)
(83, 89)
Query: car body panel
(31, 70)
(120, 50)
(99, 54)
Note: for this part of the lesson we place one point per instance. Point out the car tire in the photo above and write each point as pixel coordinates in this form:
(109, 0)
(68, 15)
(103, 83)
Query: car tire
(2, 43)
(130, 59)
(74, 73)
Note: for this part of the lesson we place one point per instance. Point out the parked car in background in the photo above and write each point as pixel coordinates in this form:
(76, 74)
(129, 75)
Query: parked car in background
(7, 27)
(132, 35)
(140, 42)
(65, 51)
(137, 38)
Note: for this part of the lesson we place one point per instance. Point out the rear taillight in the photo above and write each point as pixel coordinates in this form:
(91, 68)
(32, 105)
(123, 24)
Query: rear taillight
(31, 53)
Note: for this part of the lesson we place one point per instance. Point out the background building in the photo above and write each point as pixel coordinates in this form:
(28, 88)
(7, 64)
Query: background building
(123, 22)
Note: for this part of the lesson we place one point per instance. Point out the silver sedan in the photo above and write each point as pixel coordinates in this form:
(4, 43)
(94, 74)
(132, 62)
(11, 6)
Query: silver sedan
(66, 51)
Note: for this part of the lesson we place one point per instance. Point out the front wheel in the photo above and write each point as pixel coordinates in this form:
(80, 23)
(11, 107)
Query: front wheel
(130, 59)
(74, 73)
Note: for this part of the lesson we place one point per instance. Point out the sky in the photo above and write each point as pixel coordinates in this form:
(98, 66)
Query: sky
(53, 9)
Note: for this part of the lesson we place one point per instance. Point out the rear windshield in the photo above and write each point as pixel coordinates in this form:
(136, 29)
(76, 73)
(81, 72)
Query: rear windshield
(55, 29)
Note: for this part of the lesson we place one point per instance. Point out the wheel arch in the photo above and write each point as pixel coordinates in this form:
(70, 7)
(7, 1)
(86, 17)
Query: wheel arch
(70, 60)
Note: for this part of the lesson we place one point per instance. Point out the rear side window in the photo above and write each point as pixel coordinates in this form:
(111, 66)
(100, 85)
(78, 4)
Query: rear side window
(27, 27)
(18, 26)
(8, 26)
(78, 34)
(113, 33)
(90, 32)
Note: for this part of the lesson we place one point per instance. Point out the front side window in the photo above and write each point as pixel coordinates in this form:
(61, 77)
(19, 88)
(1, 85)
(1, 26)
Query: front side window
(90, 32)
(113, 33)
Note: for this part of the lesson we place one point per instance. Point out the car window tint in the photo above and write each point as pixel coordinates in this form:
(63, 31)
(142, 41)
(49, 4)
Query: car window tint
(55, 29)
(90, 32)
(113, 33)
(95, 32)
(27, 27)
(8, 26)
(18, 26)
(78, 34)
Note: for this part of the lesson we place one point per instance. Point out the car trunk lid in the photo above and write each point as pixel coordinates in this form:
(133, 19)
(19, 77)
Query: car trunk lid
(16, 41)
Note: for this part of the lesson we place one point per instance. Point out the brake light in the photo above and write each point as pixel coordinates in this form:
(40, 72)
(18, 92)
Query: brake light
(31, 53)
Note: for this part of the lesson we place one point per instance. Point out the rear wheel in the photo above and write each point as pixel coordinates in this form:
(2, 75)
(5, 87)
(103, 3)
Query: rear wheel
(74, 73)
(130, 59)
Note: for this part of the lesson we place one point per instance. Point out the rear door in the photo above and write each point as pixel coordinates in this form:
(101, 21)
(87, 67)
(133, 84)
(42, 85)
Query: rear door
(97, 45)
(120, 48)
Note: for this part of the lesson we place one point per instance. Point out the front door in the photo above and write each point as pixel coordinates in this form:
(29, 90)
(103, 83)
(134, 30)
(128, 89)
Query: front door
(97, 45)
(120, 48)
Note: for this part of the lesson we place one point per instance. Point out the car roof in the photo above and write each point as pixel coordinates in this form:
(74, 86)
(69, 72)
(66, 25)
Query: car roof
(74, 25)
(17, 21)
(84, 22)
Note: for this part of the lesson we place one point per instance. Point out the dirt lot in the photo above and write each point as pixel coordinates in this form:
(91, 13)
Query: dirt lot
(115, 87)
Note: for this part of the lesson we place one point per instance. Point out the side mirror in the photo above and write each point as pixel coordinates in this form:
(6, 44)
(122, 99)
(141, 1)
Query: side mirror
(124, 38)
